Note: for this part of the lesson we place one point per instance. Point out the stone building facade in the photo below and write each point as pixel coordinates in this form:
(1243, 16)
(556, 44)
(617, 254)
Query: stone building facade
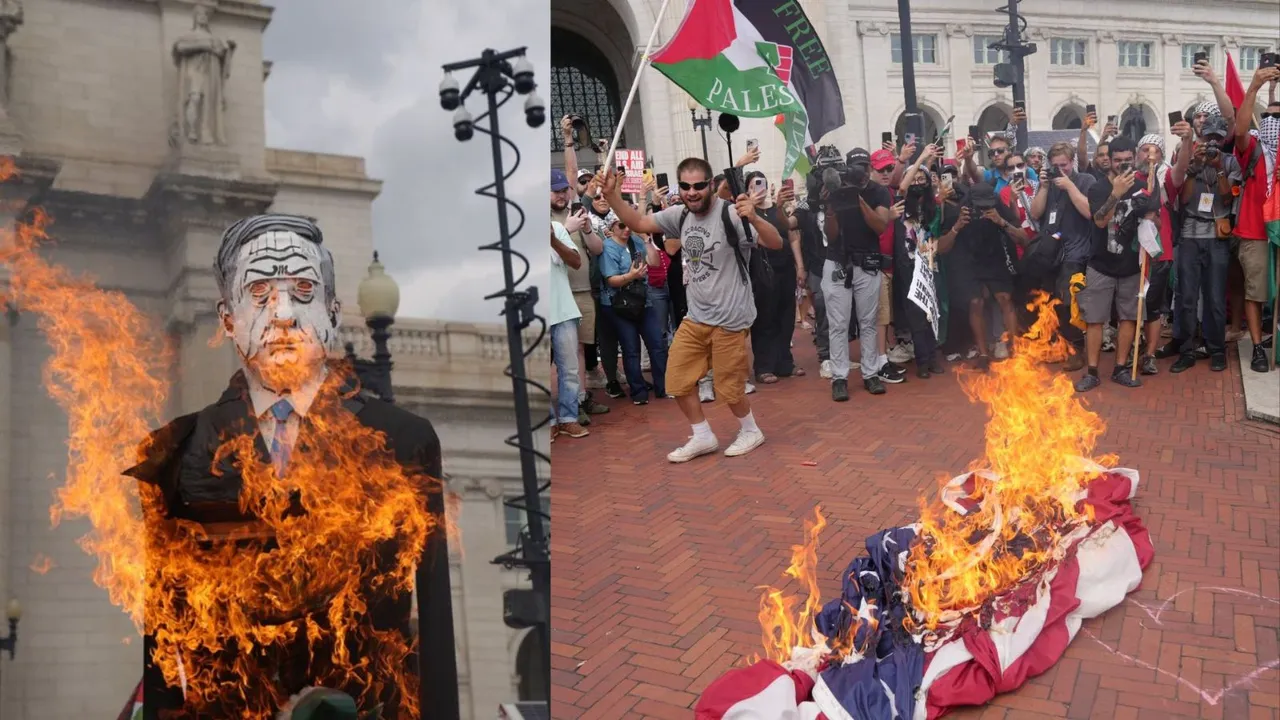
(1129, 57)
(91, 110)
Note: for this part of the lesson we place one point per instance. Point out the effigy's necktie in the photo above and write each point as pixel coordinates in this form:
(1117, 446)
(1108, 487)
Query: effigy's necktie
(281, 411)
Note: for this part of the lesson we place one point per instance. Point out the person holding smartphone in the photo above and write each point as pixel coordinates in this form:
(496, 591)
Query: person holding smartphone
(625, 262)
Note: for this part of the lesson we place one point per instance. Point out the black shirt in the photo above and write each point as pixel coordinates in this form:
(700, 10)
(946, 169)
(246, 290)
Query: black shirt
(988, 250)
(1115, 247)
(811, 248)
(782, 259)
(1061, 217)
(856, 236)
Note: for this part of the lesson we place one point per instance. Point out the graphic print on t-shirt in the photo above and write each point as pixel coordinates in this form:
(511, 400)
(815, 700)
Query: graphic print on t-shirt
(699, 253)
(1123, 208)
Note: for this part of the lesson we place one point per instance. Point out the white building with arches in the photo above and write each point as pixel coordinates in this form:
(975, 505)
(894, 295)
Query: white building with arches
(1131, 58)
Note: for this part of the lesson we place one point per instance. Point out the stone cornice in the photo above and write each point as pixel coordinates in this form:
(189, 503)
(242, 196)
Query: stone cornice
(246, 9)
(866, 27)
(959, 30)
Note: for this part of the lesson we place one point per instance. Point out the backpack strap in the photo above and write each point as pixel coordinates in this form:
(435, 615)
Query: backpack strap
(684, 215)
(732, 237)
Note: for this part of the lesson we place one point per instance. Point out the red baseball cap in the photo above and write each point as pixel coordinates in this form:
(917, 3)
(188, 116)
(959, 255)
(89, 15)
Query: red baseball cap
(882, 159)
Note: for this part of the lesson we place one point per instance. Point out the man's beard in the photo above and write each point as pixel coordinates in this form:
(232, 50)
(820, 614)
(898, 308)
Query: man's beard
(559, 205)
(699, 206)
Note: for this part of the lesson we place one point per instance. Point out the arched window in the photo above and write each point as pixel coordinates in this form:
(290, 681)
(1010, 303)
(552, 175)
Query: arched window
(532, 669)
(582, 83)
(931, 127)
(994, 119)
(1133, 123)
(1070, 117)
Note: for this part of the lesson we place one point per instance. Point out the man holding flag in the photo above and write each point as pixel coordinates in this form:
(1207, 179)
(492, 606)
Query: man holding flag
(1256, 153)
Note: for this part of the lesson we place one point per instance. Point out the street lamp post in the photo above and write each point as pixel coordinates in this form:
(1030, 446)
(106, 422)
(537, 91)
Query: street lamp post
(702, 124)
(379, 298)
(1013, 73)
(500, 76)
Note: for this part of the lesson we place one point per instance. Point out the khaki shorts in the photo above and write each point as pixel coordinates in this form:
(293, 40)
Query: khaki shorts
(698, 348)
(1254, 261)
(586, 328)
(886, 299)
(1102, 292)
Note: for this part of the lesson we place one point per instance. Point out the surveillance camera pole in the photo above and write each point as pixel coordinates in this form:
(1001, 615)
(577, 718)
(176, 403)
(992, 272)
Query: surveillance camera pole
(1018, 51)
(493, 77)
(914, 124)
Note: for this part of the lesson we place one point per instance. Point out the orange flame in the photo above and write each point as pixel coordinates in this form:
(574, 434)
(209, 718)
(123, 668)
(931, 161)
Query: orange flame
(42, 564)
(1040, 443)
(784, 627)
(222, 615)
(1037, 435)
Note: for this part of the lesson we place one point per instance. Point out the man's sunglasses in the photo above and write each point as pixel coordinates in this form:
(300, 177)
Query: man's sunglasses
(1019, 166)
(1271, 115)
(999, 151)
(699, 186)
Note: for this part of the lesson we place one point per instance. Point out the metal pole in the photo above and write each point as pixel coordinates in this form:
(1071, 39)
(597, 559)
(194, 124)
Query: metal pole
(379, 329)
(537, 553)
(702, 129)
(914, 124)
(1013, 38)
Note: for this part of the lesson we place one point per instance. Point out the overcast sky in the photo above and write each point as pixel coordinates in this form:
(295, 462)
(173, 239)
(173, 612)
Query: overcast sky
(362, 78)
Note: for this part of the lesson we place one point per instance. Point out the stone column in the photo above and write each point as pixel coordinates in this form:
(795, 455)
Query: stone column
(1109, 100)
(960, 60)
(487, 668)
(877, 59)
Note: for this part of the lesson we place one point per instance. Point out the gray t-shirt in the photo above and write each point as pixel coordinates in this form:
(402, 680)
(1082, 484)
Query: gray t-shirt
(716, 294)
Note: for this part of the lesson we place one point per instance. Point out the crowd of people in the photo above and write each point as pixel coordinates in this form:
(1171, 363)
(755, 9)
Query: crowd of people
(704, 284)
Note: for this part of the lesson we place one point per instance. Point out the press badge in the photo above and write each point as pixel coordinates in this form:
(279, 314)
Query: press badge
(1053, 217)
(1206, 203)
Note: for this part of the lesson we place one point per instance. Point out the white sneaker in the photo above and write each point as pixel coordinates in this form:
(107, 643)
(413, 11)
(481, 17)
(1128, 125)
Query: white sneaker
(902, 353)
(973, 353)
(746, 441)
(706, 391)
(824, 370)
(694, 448)
(750, 388)
(1001, 351)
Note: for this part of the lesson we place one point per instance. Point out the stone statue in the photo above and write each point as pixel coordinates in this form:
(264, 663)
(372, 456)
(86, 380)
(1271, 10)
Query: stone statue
(10, 19)
(204, 64)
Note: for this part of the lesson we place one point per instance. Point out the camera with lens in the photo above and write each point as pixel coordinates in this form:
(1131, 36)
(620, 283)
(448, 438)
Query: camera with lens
(581, 133)
(1051, 172)
(843, 181)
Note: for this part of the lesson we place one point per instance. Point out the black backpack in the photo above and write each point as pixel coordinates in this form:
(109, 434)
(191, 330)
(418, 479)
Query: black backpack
(628, 301)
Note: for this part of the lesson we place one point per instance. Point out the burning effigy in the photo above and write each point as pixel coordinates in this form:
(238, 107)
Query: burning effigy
(983, 592)
(267, 546)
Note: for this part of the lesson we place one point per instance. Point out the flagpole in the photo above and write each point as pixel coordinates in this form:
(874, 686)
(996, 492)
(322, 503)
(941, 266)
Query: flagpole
(635, 83)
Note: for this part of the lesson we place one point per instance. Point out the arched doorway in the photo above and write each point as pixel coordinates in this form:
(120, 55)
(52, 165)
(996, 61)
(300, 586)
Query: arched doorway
(531, 669)
(1070, 117)
(932, 124)
(583, 83)
(994, 119)
(1134, 122)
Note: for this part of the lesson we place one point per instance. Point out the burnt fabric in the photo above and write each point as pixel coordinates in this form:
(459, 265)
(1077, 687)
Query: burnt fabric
(178, 459)
(887, 674)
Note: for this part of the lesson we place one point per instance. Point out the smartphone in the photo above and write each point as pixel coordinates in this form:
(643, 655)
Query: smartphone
(960, 143)
(1113, 119)
(661, 179)
(752, 144)
(1090, 109)
(1175, 117)
(1020, 104)
(648, 174)
(789, 184)
(909, 139)
(1200, 57)
(975, 132)
(576, 208)
(886, 137)
(1269, 59)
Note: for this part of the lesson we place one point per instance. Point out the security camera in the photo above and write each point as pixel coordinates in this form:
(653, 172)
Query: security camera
(463, 125)
(535, 111)
(523, 75)
(450, 97)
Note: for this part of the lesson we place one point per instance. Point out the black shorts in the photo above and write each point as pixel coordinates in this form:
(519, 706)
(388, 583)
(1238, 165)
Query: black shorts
(977, 279)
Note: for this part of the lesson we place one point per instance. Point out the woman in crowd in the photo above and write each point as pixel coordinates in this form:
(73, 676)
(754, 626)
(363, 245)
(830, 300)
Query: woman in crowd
(625, 269)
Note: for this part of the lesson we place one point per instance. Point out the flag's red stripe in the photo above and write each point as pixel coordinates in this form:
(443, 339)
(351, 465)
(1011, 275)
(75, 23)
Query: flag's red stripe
(1235, 90)
(707, 29)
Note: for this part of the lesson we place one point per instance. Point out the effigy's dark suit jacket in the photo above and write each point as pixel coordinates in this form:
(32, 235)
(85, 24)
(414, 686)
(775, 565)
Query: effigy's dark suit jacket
(179, 462)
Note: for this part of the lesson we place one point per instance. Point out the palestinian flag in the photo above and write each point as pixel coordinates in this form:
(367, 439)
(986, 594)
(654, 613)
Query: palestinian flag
(757, 59)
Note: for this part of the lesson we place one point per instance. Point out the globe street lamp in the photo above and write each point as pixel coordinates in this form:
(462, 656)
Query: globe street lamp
(378, 297)
(702, 124)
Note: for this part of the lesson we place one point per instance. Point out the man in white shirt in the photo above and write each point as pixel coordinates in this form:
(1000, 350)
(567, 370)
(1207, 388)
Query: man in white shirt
(563, 321)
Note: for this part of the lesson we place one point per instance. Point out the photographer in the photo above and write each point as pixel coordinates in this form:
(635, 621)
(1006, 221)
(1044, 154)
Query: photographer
(856, 210)
(1112, 277)
(775, 297)
(1061, 206)
(813, 252)
(984, 261)
(710, 232)
(1204, 251)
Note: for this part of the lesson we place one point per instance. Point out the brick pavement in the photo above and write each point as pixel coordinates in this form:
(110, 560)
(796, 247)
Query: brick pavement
(655, 566)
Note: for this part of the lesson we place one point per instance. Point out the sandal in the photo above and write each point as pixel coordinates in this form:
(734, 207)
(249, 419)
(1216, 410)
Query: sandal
(766, 378)
(798, 372)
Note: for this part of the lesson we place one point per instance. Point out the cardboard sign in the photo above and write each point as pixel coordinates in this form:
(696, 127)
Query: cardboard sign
(633, 162)
(923, 292)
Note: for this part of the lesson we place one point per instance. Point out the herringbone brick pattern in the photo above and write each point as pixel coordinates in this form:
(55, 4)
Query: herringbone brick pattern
(655, 566)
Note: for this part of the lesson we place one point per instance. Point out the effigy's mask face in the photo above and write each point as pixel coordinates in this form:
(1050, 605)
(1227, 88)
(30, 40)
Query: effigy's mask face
(278, 317)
